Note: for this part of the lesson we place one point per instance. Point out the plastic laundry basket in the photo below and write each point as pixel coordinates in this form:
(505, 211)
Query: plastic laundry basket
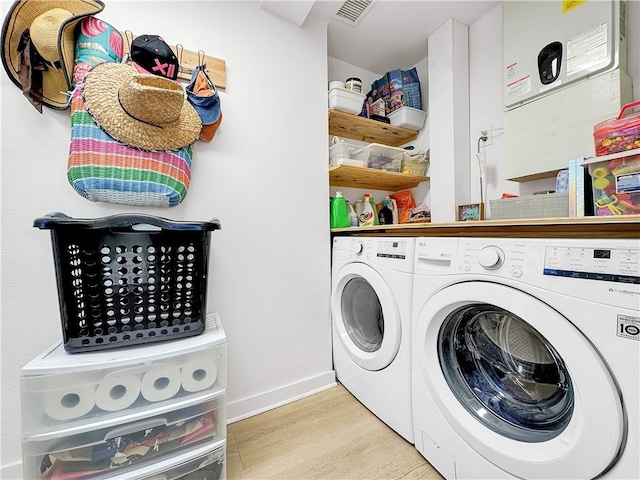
(129, 279)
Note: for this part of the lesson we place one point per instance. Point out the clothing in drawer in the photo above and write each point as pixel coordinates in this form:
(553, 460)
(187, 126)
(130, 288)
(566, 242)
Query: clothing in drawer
(124, 447)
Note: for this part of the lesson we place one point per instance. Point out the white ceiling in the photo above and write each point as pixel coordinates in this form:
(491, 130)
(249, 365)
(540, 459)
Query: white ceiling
(393, 34)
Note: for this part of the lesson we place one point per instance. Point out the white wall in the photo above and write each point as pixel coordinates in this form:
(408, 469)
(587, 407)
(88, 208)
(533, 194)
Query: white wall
(264, 176)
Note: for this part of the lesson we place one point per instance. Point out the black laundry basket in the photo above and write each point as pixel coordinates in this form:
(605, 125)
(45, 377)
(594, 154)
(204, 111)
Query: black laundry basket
(129, 279)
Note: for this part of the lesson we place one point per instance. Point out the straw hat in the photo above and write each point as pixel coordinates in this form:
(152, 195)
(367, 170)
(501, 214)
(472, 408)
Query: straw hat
(143, 111)
(51, 25)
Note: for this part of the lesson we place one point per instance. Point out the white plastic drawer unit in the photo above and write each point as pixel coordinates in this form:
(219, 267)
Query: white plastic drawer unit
(105, 448)
(60, 390)
(204, 463)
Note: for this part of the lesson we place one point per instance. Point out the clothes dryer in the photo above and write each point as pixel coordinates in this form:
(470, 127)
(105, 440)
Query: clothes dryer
(525, 357)
(371, 321)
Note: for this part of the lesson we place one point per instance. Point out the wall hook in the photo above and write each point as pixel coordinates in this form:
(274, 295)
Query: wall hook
(181, 67)
(201, 57)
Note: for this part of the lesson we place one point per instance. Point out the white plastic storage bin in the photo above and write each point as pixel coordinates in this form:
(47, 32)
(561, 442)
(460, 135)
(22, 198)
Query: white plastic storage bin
(346, 100)
(102, 448)
(408, 117)
(206, 462)
(383, 157)
(60, 390)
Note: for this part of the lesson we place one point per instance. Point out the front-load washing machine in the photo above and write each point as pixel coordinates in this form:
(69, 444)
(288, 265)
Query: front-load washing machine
(371, 322)
(526, 357)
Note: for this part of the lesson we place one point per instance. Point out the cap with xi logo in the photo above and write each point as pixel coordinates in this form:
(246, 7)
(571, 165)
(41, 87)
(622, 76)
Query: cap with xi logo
(150, 54)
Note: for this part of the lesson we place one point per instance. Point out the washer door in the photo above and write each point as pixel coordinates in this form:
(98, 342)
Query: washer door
(518, 382)
(366, 318)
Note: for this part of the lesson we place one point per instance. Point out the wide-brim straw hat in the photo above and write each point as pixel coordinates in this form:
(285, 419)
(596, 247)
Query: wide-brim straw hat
(53, 35)
(143, 111)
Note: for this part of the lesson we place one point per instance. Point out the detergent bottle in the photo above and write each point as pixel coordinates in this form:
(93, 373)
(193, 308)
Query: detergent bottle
(366, 217)
(386, 214)
(339, 212)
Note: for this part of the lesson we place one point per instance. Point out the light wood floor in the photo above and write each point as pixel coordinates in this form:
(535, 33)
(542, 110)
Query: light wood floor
(329, 435)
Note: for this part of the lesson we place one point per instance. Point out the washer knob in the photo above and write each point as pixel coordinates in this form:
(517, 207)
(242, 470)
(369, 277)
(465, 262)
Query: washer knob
(491, 258)
(358, 248)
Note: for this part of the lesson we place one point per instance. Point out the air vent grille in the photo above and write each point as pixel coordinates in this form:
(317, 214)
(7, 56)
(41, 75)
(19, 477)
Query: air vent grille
(352, 11)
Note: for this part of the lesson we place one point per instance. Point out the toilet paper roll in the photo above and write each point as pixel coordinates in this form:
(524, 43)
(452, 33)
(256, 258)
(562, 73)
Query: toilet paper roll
(198, 375)
(117, 392)
(69, 403)
(160, 383)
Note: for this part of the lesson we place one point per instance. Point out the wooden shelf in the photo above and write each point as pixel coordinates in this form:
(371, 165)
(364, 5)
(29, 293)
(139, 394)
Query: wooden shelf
(369, 178)
(363, 129)
(627, 226)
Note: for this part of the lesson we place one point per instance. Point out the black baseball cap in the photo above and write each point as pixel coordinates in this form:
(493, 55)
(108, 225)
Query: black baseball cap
(151, 54)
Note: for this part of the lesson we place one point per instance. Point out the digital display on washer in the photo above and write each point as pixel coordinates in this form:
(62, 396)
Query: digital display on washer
(602, 254)
(392, 249)
(611, 265)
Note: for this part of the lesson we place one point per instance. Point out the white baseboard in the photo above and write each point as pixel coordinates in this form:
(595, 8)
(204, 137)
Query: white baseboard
(11, 471)
(248, 407)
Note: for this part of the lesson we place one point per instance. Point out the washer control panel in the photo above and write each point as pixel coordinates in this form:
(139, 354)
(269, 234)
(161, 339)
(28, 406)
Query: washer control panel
(605, 264)
(552, 258)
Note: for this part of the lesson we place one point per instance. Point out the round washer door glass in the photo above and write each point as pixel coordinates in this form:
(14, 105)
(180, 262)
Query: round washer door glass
(362, 314)
(505, 373)
(366, 316)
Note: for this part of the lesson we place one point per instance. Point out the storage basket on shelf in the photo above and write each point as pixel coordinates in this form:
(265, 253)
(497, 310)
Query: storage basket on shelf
(619, 134)
(129, 279)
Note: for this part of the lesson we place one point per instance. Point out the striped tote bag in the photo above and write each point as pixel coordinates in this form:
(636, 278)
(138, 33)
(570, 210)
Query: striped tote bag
(101, 169)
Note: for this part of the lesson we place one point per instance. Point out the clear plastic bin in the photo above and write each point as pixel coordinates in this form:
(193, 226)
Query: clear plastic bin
(62, 391)
(616, 183)
(383, 157)
(343, 153)
(109, 448)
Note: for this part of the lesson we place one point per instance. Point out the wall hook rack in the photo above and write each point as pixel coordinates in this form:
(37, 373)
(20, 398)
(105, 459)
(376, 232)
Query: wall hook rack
(189, 60)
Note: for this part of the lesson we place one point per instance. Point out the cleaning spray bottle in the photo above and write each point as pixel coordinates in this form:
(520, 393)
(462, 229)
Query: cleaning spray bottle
(366, 217)
(353, 217)
(359, 209)
(394, 208)
(376, 220)
(339, 212)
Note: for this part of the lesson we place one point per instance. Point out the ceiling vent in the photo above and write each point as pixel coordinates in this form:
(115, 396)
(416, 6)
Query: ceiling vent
(351, 12)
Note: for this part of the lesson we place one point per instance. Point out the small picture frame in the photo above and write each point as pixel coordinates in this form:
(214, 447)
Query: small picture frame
(471, 212)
